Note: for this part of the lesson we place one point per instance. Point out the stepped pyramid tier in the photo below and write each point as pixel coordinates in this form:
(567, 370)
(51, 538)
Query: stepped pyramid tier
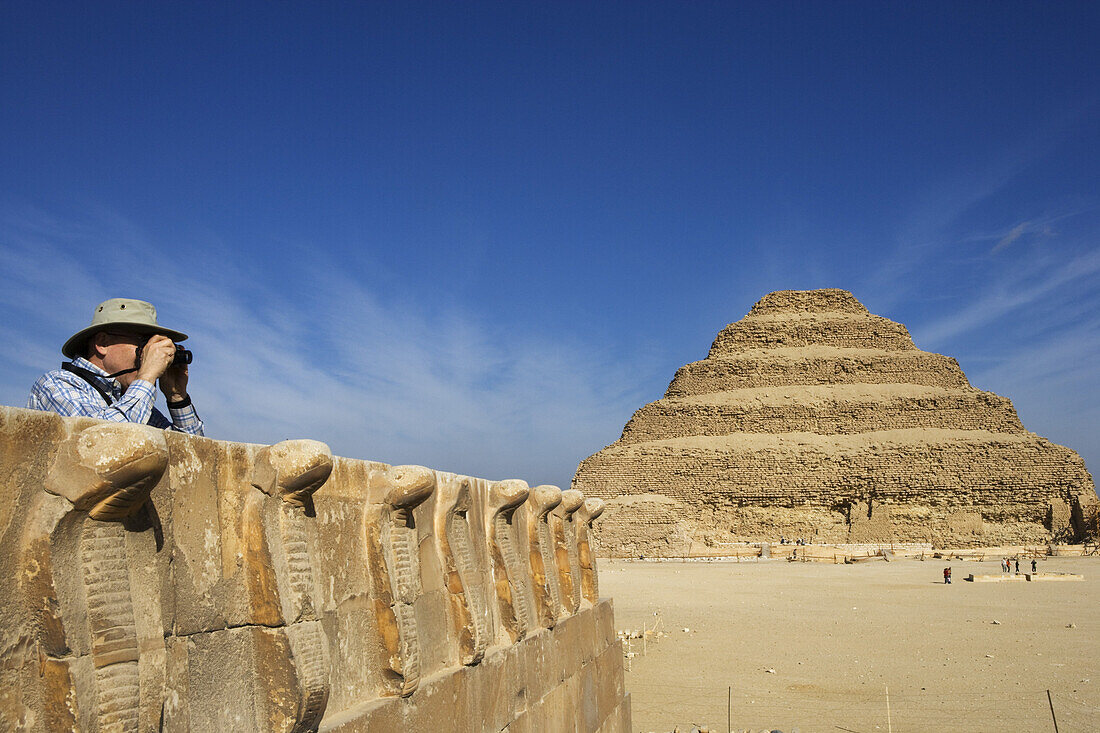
(811, 417)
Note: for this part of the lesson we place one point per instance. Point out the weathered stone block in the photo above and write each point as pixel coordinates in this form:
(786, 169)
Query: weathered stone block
(163, 581)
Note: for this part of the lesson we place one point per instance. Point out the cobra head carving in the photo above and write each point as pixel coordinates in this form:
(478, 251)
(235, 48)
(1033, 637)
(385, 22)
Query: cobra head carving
(543, 499)
(409, 486)
(507, 495)
(293, 470)
(588, 511)
(109, 469)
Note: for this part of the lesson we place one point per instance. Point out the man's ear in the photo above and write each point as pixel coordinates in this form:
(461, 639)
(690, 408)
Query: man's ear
(96, 343)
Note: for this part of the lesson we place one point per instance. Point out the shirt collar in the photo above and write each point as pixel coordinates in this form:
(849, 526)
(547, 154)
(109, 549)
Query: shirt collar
(103, 376)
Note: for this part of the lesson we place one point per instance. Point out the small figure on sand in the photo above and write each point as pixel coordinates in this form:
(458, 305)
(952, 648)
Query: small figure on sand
(1017, 566)
(947, 575)
(1033, 565)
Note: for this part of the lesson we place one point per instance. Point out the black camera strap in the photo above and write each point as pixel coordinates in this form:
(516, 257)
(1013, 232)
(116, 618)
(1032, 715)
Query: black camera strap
(92, 378)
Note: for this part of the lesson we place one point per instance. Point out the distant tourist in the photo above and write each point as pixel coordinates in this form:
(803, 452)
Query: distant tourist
(116, 364)
(947, 575)
(1033, 565)
(1017, 566)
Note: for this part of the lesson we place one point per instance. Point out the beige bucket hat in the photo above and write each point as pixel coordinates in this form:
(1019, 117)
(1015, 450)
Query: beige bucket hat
(125, 314)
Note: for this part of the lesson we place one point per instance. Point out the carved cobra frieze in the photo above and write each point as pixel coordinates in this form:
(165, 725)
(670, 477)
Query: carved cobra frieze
(565, 549)
(511, 576)
(544, 581)
(392, 549)
(283, 581)
(168, 582)
(461, 566)
(106, 471)
(586, 557)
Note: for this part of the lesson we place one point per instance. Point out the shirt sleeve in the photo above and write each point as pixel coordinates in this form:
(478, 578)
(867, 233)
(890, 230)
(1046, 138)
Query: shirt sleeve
(55, 393)
(184, 419)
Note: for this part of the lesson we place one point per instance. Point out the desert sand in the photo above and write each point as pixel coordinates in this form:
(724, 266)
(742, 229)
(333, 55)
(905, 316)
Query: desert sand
(814, 647)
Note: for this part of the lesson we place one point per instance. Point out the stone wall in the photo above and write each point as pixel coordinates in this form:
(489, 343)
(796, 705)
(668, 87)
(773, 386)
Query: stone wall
(644, 525)
(158, 581)
(839, 330)
(823, 365)
(790, 470)
(809, 411)
(836, 410)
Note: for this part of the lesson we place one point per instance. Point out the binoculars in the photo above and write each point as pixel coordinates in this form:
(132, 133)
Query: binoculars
(182, 357)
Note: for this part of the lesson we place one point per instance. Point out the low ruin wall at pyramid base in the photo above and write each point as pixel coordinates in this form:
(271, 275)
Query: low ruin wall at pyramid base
(812, 418)
(158, 581)
(654, 526)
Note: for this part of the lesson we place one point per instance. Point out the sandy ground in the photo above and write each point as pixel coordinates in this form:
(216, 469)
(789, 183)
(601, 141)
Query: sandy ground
(837, 636)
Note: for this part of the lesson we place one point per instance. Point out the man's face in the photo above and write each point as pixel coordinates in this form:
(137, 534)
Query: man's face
(118, 350)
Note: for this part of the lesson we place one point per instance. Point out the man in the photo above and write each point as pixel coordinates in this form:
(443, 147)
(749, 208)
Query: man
(109, 379)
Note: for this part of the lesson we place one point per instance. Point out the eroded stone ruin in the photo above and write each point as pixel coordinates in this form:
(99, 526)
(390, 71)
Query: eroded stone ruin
(811, 417)
(157, 581)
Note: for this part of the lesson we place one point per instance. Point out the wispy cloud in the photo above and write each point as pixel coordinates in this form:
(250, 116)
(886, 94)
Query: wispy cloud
(1015, 233)
(923, 232)
(327, 356)
(1037, 228)
(1052, 382)
(1011, 293)
(998, 298)
(929, 226)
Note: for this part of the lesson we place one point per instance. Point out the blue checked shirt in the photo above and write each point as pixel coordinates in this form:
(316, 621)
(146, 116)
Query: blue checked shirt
(67, 394)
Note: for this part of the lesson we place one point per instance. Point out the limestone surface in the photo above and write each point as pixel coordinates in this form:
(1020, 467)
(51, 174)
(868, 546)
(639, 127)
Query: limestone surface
(161, 581)
(813, 418)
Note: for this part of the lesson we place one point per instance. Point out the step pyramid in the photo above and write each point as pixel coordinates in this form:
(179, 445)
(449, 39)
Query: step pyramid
(813, 418)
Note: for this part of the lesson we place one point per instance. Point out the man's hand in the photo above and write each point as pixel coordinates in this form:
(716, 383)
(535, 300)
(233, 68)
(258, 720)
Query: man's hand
(173, 383)
(155, 359)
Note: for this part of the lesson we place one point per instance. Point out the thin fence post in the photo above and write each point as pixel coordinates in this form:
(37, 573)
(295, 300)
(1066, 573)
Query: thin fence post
(1051, 702)
(889, 722)
(729, 709)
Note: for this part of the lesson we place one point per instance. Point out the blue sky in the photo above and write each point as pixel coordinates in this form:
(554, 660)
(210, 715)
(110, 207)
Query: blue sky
(478, 236)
